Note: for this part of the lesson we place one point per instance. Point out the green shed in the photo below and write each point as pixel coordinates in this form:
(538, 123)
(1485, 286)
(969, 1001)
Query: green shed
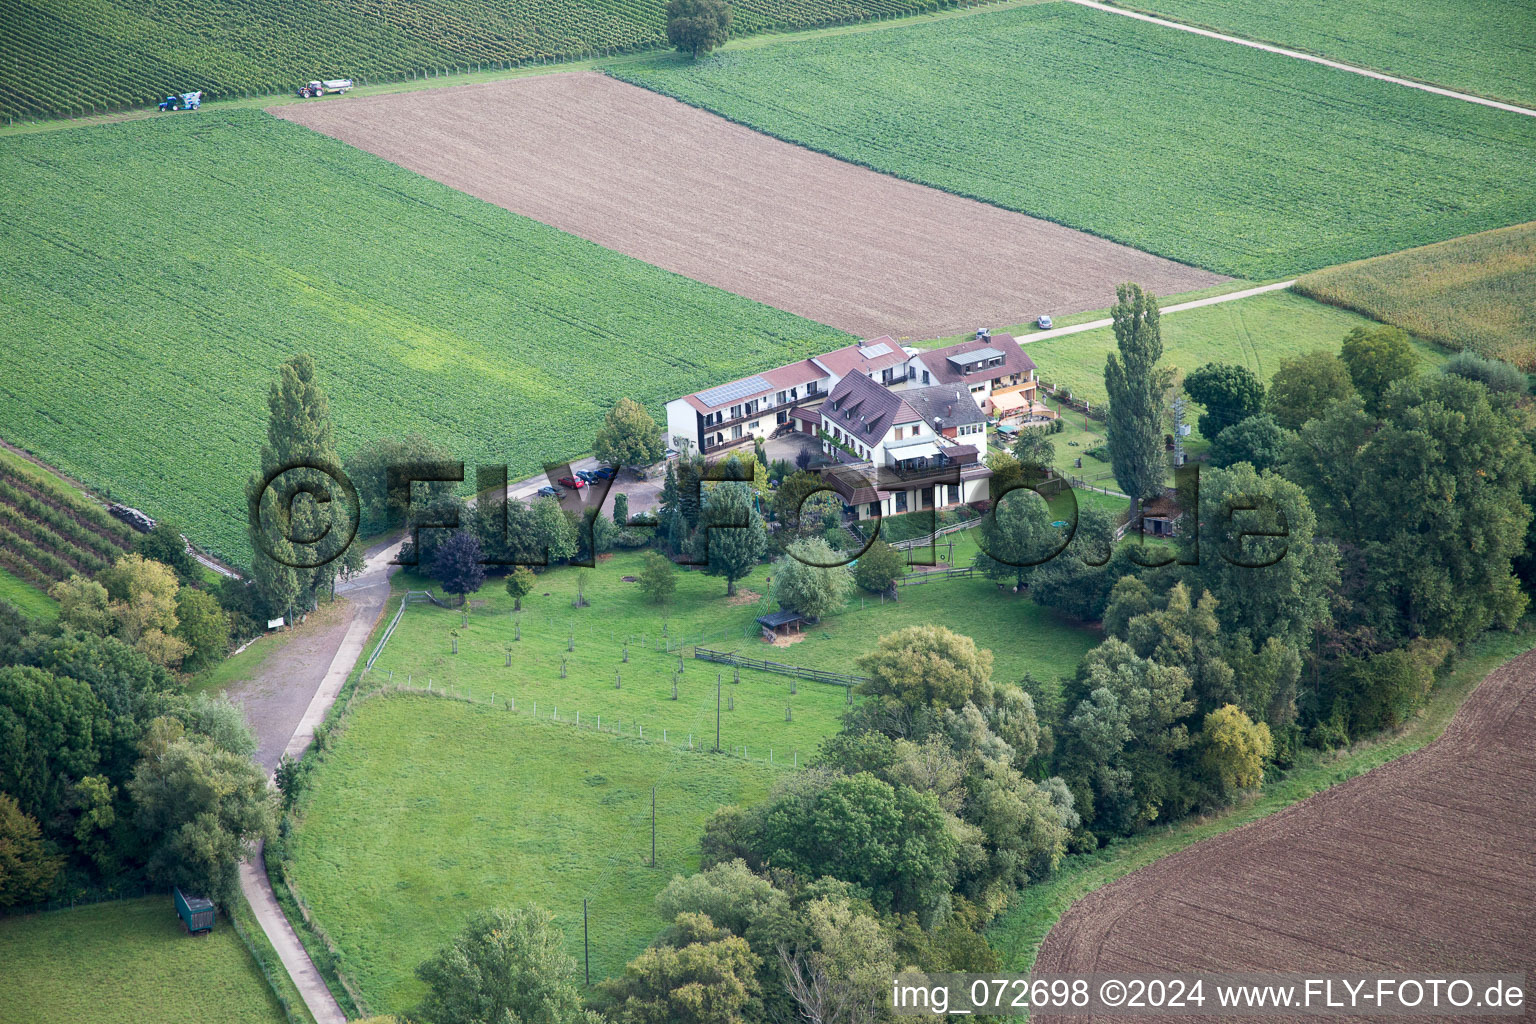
(196, 913)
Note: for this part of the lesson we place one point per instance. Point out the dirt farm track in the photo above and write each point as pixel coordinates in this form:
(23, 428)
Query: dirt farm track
(698, 195)
(1427, 864)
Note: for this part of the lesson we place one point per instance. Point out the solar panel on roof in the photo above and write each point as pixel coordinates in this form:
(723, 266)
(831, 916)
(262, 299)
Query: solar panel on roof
(871, 351)
(734, 390)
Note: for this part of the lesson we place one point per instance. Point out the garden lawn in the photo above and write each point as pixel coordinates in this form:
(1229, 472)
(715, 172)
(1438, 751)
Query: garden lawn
(1244, 162)
(428, 810)
(1024, 638)
(1256, 332)
(1486, 47)
(127, 962)
(157, 272)
(1477, 292)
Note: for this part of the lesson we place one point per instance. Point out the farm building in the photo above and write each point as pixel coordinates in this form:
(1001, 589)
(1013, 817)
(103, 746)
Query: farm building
(917, 449)
(789, 397)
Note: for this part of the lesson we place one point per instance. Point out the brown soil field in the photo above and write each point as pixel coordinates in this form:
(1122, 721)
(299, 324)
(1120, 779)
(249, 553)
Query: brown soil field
(696, 194)
(1426, 864)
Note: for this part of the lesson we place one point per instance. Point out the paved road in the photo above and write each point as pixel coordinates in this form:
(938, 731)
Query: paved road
(1056, 332)
(284, 700)
(1310, 58)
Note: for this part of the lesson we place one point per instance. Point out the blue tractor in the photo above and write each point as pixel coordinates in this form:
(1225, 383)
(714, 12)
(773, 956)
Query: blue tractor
(182, 101)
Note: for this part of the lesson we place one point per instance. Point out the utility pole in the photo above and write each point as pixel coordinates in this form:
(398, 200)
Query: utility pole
(586, 949)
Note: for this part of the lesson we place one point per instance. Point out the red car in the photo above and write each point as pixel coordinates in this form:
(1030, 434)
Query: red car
(575, 483)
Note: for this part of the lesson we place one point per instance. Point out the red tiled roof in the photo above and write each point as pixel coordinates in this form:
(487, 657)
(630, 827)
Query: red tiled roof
(850, 359)
(944, 372)
(794, 374)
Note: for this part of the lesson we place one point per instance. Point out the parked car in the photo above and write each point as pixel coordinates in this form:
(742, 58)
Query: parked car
(1043, 322)
(548, 492)
(586, 475)
(575, 483)
(601, 473)
(671, 454)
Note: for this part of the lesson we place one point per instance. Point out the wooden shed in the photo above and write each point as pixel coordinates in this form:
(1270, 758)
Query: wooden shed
(779, 622)
(196, 913)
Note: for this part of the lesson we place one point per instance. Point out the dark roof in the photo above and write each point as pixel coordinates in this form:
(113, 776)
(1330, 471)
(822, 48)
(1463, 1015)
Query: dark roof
(774, 620)
(942, 362)
(809, 413)
(865, 409)
(944, 406)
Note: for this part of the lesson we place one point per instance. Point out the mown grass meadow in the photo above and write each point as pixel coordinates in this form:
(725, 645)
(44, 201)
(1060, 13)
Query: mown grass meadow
(1251, 164)
(1256, 332)
(427, 810)
(1024, 638)
(127, 962)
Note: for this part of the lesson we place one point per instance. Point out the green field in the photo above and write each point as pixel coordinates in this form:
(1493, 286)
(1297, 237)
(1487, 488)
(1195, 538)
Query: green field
(127, 962)
(428, 810)
(1256, 332)
(1248, 163)
(1477, 292)
(1480, 46)
(174, 264)
(73, 56)
(28, 599)
(1023, 637)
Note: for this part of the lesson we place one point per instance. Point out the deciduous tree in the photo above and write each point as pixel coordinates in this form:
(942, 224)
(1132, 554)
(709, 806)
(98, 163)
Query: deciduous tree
(811, 579)
(456, 565)
(697, 973)
(658, 578)
(1305, 387)
(203, 627)
(1230, 393)
(628, 436)
(928, 667)
(1257, 440)
(697, 26)
(199, 809)
(520, 582)
(1378, 357)
(505, 967)
(878, 567)
(1234, 749)
(301, 446)
(369, 469)
(27, 868)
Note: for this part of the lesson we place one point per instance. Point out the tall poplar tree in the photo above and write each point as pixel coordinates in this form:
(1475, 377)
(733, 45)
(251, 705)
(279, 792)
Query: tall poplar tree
(1136, 387)
(297, 528)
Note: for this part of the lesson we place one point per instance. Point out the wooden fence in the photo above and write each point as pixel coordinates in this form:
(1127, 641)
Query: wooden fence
(912, 579)
(409, 596)
(917, 542)
(814, 674)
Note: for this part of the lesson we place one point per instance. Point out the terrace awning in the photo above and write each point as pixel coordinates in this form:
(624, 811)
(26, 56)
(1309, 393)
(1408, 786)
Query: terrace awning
(1009, 401)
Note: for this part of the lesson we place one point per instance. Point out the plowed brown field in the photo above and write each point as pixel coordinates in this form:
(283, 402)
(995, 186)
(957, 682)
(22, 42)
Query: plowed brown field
(696, 194)
(1427, 864)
